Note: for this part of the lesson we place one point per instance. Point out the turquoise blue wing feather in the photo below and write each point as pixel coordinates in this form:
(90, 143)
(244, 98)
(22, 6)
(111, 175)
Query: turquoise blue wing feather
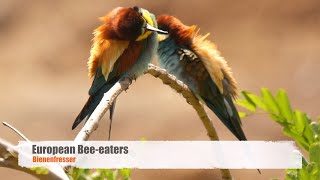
(187, 67)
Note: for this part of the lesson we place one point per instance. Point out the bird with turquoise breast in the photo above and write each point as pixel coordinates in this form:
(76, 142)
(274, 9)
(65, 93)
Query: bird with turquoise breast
(195, 60)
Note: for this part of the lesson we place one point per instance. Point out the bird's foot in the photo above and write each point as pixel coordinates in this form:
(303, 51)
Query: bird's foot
(134, 77)
(125, 83)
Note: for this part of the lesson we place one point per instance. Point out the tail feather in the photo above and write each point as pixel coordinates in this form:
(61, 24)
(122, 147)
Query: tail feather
(111, 117)
(91, 105)
(228, 114)
(235, 119)
(87, 109)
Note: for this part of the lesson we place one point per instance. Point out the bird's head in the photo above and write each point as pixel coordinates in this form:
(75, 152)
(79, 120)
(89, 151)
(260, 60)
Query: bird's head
(128, 24)
(181, 33)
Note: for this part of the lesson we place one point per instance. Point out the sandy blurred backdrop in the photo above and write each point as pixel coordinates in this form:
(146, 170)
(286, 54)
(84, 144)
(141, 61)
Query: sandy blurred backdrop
(44, 46)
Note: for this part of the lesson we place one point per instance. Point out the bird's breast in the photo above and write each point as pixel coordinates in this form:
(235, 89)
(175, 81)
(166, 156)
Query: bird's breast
(130, 56)
(169, 59)
(147, 48)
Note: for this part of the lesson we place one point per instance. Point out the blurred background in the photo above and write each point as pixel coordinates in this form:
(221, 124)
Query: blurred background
(44, 46)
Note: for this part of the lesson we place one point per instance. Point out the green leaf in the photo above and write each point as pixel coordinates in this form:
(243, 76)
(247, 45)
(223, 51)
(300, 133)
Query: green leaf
(246, 94)
(254, 100)
(86, 172)
(296, 124)
(300, 121)
(40, 170)
(279, 119)
(313, 169)
(300, 140)
(315, 154)
(308, 134)
(125, 173)
(242, 114)
(284, 105)
(246, 104)
(303, 174)
(269, 101)
(292, 174)
(315, 127)
(76, 173)
(108, 174)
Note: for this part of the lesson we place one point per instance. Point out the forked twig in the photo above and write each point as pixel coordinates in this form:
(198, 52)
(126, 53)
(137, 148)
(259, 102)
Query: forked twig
(9, 159)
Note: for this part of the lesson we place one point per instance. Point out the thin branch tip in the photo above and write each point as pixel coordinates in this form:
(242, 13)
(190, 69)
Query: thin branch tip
(16, 131)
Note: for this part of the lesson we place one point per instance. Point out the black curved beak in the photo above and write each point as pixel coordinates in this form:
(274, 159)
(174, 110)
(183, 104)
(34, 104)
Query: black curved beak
(151, 28)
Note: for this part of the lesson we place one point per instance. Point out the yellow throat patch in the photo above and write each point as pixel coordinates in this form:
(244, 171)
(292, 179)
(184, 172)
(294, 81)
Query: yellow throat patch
(147, 17)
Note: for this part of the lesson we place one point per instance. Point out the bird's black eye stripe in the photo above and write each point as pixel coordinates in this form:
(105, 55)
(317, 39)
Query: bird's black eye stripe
(144, 22)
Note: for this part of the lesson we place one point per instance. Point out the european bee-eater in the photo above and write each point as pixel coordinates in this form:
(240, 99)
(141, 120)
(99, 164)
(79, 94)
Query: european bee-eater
(196, 61)
(123, 46)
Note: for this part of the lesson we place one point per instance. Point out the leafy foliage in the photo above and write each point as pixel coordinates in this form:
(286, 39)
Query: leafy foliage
(296, 124)
(40, 170)
(100, 174)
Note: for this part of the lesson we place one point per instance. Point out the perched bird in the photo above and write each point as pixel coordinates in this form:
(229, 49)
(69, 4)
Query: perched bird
(123, 46)
(196, 61)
